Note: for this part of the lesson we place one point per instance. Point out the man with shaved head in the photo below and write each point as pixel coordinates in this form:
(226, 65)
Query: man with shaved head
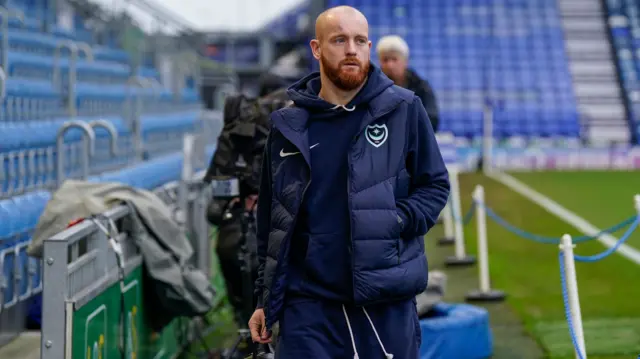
(352, 180)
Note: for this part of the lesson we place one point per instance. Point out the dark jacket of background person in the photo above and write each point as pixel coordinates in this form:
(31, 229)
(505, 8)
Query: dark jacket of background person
(423, 89)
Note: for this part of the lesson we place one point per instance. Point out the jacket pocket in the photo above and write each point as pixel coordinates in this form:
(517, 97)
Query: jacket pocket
(400, 224)
(409, 248)
(398, 229)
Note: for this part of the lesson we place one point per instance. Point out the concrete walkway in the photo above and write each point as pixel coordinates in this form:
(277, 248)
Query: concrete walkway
(26, 346)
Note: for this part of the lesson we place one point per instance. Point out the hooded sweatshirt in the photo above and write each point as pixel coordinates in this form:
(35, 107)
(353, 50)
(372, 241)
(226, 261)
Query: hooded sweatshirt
(320, 255)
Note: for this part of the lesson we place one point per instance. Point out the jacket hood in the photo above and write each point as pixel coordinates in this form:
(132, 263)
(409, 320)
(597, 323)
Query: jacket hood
(304, 93)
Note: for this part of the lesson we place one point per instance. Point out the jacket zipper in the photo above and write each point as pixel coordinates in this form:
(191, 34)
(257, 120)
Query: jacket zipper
(350, 244)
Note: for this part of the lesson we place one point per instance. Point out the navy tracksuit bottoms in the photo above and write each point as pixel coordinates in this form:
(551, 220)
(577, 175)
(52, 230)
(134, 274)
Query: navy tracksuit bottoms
(314, 329)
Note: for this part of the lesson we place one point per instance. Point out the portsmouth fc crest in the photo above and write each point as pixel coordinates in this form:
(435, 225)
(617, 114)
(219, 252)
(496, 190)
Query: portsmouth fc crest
(377, 134)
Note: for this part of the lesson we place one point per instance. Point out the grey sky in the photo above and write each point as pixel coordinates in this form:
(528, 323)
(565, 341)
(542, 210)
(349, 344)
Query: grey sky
(214, 14)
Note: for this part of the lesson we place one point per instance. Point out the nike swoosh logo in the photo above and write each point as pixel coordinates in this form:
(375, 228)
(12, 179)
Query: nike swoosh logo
(285, 154)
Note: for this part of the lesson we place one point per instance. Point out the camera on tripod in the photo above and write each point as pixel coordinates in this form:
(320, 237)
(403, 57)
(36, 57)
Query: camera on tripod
(230, 188)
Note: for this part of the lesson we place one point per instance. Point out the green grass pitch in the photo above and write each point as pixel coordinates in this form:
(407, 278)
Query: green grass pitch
(529, 271)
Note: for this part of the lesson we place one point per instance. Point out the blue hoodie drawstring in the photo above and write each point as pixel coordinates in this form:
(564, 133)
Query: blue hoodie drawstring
(353, 341)
(344, 107)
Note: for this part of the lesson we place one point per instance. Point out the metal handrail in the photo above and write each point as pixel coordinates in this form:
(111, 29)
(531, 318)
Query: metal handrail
(89, 140)
(113, 132)
(134, 117)
(73, 47)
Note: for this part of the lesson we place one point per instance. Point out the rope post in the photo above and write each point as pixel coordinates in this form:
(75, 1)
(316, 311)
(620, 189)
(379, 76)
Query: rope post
(460, 258)
(487, 137)
(571, 296)
(484, 293)
(449, 151)
(447, 223)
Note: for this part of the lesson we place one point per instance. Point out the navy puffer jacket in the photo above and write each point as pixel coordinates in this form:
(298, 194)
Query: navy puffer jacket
(398, 184)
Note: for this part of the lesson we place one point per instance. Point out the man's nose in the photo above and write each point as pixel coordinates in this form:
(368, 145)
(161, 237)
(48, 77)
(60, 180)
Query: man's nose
(351, 48)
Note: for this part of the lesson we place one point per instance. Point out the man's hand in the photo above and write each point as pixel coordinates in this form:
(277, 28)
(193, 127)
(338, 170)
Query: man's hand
(249, 202)
(258, 328)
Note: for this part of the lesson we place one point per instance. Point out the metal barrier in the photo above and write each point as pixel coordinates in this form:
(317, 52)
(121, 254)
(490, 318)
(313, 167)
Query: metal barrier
(20, 275)
(15, 259)
(83, 296)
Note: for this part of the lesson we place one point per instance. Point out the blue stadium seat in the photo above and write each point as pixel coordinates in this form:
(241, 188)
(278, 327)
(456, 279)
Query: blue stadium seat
(30, 22)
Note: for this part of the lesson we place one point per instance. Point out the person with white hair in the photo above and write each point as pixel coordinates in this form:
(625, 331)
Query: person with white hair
(393, 54)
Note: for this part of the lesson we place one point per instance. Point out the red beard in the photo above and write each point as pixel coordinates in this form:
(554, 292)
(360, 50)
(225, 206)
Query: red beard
(344, 79)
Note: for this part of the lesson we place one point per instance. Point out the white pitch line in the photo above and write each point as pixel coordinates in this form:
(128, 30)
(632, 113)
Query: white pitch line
(566, 215)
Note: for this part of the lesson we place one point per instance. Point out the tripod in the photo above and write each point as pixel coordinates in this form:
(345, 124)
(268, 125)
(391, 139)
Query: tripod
(243, 343)
(247, 222)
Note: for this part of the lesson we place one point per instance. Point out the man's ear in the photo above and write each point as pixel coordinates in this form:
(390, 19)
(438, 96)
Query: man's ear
(315, 48)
